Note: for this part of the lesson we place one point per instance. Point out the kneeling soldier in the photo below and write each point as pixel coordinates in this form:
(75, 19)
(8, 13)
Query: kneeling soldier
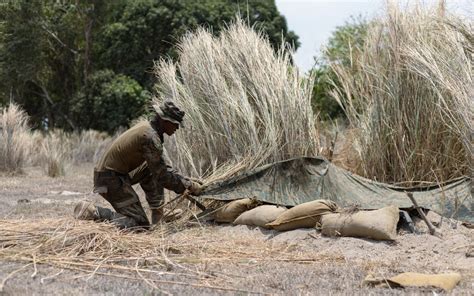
(134, 157)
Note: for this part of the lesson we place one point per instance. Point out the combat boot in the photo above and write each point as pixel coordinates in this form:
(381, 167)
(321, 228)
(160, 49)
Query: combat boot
(86, 210)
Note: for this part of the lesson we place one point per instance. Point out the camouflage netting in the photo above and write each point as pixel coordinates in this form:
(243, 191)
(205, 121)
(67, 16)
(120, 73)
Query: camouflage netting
(300, 180)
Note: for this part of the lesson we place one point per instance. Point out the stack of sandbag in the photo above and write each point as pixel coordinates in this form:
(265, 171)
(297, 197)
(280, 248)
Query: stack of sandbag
(376, 224)
(229, 212)
(305, 215)
(260, 216)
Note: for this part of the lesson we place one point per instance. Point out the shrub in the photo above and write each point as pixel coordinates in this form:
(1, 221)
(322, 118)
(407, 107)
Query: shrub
(343, 41)
(409, 91)
(55, 153)
(245, 104)
(14, 139)
(109, 102)
(86, 144)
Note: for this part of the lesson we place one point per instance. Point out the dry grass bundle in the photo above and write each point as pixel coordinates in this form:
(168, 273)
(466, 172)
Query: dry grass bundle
(35, 157)
(14, 139)
(409, 91)
(55, 153)
(88, 145)
(245, 104)
(153, 256)
(56, 150)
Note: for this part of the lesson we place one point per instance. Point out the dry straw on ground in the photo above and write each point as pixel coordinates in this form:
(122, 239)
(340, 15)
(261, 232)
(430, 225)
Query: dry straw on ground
(409, 91)
(245, 104)
(156, 257)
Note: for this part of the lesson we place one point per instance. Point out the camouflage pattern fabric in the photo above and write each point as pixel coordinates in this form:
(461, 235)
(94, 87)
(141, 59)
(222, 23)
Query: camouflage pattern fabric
(136, 157)
(162, 173)
(126, 152)
(300, 180)
(122, 197)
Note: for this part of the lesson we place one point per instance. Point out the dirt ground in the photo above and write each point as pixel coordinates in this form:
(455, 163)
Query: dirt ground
(325, 266)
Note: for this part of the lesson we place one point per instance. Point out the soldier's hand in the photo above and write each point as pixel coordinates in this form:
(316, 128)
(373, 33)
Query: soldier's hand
(195, 188)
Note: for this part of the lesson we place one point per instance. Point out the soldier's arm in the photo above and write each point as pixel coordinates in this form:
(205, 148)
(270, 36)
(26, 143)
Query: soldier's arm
(163, 174)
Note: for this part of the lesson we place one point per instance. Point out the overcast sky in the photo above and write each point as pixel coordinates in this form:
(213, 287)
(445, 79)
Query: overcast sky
(314, 20)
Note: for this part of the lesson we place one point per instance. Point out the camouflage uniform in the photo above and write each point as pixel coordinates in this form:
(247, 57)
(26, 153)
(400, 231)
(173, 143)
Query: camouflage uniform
(135, 157)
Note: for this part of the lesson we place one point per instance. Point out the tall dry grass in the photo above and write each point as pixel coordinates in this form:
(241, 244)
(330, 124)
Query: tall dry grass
(56, 153)
(14, 139)
(88, 146)
(245, 104)
(59, 150)
(409, 91)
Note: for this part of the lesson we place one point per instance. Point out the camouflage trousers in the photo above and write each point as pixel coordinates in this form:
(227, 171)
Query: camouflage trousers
(117, 189)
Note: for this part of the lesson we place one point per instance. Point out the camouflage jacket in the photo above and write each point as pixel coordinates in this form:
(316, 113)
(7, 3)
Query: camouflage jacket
(139, 144)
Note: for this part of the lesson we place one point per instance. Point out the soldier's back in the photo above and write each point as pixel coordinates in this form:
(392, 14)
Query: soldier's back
(125, 153)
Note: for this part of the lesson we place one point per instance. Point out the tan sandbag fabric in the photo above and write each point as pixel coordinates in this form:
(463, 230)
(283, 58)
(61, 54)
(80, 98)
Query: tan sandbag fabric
(233, 209)
(378, 224)
(446, 281)
(260, 216)
(305, 215)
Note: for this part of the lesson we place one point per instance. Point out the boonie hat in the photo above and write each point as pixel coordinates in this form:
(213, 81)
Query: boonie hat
(168, 111)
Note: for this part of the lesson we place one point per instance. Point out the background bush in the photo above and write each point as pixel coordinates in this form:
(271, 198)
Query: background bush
(245, 104)
(109, 102)
(408, 90)
(15, 140)
(52, 52)
(338, 50)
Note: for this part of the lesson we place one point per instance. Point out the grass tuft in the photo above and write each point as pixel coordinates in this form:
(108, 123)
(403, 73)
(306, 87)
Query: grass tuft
(14, 139)
(88, 145)
(55, 153)
(245, 104)
(409, 93)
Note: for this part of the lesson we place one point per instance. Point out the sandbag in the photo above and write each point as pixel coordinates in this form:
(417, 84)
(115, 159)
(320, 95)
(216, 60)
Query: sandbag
(446, 281)
(305, 215)
(378, 224)
(260, 216)
(233, 209)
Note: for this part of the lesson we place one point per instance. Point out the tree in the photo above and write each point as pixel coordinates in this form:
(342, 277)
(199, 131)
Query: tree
(108, 102)
(49, 50)
(146, 30)
(45, 56)
(21, 75)
(338, 50)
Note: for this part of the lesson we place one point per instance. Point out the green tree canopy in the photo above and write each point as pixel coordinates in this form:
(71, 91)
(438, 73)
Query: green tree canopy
(45, 55)
(23, 65)
(337, 50)
(51, 50)
(109, 101)
(146, 30)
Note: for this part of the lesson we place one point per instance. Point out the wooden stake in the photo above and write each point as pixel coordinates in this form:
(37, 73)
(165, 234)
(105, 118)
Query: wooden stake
(422, 214)
(191, 199)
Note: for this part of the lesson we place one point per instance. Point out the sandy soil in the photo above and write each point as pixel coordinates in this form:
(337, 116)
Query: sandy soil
(333, 266)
